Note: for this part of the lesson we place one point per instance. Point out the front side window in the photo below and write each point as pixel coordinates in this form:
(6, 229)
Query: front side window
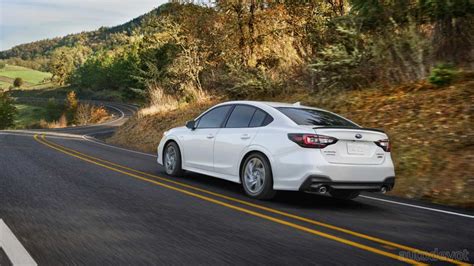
(240, 116)
(214, 118)
(311, 117)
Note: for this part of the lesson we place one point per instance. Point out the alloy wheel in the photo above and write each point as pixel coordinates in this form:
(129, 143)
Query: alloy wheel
(254, 175)
(170, 159)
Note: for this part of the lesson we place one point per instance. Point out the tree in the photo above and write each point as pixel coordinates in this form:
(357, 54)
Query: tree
(65, 60)
(18, 82)
(7, 111)
(72, 101)
(71, 105)
(453, 31)
(452, 35)
(174, 60)
(61, 65)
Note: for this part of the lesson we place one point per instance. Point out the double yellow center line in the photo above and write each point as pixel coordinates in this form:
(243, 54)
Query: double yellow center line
(188, 190)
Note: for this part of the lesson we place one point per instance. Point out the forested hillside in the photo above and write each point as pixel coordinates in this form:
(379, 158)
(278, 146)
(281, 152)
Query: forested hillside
(37, 54)
(256, 48)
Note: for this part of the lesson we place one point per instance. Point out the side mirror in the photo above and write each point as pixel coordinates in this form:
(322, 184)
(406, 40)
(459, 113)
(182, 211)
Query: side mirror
(191, 124)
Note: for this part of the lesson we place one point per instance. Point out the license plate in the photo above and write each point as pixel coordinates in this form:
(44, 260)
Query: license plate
(357, 148)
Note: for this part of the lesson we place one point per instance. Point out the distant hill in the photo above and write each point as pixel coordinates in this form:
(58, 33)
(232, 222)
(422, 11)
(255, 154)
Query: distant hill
(103, 37)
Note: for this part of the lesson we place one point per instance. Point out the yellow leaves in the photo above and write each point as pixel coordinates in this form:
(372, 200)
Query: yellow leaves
(71, 100)
(90, 114)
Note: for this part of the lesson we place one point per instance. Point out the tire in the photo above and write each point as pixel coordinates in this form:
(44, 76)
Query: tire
(256, 177)
(344, 194)
(172, 159)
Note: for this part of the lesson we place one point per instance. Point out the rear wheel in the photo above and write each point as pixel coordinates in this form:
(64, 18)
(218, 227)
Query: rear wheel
(256, 176)
(172, 159)
(344, 194)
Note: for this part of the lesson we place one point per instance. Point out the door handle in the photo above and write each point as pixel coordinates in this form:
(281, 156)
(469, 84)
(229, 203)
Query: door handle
(245, 136)
(210, 136)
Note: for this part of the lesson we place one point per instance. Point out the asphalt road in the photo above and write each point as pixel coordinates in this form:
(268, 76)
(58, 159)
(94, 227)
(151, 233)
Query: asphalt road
(70, 199)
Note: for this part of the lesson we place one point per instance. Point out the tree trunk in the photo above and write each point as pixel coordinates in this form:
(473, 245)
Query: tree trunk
(453, 40)
(251, 44)
(239, 10)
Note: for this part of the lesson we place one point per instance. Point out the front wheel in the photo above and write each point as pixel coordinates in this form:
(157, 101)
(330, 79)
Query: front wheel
(256, 176)
(172, 159)
(344, 195)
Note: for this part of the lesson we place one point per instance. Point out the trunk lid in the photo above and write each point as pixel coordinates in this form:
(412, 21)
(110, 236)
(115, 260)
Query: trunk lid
(354, 145)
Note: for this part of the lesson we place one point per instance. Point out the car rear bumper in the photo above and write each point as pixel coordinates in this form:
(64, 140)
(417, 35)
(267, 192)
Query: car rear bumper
(314, 182)
(292, 170)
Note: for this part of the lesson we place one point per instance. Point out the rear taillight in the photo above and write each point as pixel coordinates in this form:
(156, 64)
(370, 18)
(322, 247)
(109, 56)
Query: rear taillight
(384, 144)
(312, 140)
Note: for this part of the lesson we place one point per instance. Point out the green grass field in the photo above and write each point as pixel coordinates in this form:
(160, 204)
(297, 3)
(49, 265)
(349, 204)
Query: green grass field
(28, 114)
(4, 84)
(30, 77)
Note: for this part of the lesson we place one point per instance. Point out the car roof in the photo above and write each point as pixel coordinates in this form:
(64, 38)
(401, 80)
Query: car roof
(271, 104)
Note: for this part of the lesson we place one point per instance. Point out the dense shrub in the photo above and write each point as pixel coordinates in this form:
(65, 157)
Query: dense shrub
(442, 75)
(338, 68)
(90, 114)
(251, 85)
(53, 110)
(18, 82)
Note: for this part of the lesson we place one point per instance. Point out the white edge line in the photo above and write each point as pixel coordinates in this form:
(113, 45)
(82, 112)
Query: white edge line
(420, 207)
(16, 253)
(91, 139)
(129, 108)
(122, 115)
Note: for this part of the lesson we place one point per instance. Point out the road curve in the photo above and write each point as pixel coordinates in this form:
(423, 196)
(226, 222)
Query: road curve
(71, 199)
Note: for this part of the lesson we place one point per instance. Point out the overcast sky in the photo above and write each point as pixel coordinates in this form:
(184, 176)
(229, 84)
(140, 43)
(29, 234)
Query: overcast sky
(24, 21)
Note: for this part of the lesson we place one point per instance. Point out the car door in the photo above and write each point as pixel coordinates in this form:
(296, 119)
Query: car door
(240, 129)
(198, 144)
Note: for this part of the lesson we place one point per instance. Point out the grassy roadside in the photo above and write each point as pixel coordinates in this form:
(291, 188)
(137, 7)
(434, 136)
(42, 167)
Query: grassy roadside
(4, 84)
(28, 115)
(47, 91)
(431, 130)
(56, 113)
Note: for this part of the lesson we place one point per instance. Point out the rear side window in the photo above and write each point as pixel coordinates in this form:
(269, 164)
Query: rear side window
(214, 118)
(268, 120)
(241, 116)
(311, 117)
(257, 119)
(260, 118)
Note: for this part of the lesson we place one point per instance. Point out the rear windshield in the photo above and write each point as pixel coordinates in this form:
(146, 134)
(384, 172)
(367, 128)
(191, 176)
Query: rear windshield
(311, 117)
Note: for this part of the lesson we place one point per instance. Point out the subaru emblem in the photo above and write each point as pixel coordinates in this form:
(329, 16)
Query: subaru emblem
(358, 136)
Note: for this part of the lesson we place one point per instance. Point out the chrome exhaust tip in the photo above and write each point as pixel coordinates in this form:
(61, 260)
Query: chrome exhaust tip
(322, 190)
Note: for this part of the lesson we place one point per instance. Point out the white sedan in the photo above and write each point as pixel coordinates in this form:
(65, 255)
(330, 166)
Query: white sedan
(269, 146)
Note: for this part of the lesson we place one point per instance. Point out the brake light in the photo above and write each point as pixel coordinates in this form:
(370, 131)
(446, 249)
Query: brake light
(312, 140)
(384, 144)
